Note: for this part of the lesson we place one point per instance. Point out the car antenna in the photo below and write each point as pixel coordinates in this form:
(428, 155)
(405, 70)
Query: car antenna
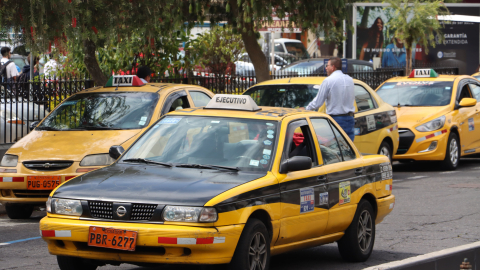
(289, 79)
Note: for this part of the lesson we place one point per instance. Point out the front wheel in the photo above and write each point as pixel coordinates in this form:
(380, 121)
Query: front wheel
(253, 248)
(73, 263)
(18, 210)
(357, 243)
(385, 150)
(452, 156)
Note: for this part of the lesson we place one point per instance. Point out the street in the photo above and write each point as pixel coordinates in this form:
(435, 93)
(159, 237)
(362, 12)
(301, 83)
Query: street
(434, 210)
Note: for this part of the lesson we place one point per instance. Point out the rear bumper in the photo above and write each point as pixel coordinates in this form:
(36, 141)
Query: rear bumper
(385, 205)
(155, 242)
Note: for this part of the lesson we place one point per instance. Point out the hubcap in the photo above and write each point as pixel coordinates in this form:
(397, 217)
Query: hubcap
(364, 231)
(384, 151)
(453, 151)
(258, 252)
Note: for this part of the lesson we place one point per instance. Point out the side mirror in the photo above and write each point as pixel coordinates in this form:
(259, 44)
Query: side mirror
(467, 102)
(115, 151)
(33, 125)
(298, 163)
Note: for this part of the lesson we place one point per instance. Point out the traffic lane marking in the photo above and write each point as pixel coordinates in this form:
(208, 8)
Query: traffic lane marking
(21, 240)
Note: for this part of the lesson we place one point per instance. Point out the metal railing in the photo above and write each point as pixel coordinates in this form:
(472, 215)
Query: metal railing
(22, 103)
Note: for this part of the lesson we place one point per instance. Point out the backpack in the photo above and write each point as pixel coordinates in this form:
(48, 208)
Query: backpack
(3, 70)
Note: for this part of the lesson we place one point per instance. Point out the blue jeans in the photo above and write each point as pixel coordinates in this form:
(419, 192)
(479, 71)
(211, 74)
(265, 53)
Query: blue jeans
(347, 123)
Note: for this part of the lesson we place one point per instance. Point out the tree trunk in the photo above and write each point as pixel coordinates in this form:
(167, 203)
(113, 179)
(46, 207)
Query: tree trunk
(90, 61)
(408, 66)
(364, 21)
(259, 60)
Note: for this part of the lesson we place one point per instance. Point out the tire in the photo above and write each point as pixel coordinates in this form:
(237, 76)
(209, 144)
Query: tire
(354, 248)
(385, 150)
(18, 211)
(73, 263)
(452, 156)
(254, 236)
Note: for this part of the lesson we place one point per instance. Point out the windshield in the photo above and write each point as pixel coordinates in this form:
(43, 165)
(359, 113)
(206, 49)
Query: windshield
(96, 111)
(297, 49)
(416, 93)
(306, 67)
(233, 142)
(289, 96)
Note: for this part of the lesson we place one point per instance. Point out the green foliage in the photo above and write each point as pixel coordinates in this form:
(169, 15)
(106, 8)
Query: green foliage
(217, 49)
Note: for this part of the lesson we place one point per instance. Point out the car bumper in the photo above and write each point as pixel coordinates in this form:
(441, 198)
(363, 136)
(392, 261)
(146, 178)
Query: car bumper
(384, 207)
(156, 243)
(420, 144)
(14, 187)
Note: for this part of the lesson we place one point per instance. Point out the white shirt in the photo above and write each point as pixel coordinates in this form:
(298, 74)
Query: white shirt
(51, 67)
(338, 91)
(11, 68)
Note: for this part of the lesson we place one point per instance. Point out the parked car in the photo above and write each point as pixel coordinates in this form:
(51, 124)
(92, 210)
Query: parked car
(15, 118)
(316, 66)
(287, 46)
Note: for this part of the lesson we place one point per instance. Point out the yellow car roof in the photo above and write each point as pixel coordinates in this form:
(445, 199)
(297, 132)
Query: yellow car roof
(476, 74)
(266, 113)
(149, 87)
(297, 80)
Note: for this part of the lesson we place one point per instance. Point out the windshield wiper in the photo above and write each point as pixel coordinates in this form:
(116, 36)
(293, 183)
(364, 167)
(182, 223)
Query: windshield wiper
(148, 161)
(214, 167)
(97, 128)
(47, 128)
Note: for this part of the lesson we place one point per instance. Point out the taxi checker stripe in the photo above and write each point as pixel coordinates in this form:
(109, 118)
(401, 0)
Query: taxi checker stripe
(11, 179)
(191, 241)
(431, 135)
(56, 233)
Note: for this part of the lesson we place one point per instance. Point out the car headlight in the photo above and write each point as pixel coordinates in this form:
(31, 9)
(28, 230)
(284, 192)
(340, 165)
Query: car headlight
(65, 207)
(49, 204)
(9, 161)
(97, 160)
(189, 214)
(435, 124)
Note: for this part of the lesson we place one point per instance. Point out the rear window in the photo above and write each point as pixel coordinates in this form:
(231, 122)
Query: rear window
(289, 96)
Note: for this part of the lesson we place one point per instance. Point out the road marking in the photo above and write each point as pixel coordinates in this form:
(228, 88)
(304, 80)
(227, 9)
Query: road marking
(8, 223)
(18, 241)
(447, 172)
(416, 177)
(397, 180)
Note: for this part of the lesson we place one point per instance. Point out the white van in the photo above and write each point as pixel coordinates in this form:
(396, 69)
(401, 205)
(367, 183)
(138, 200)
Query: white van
(291, 47)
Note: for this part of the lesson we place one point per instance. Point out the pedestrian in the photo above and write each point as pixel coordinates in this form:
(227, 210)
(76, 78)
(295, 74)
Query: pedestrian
(338, 92)
(24, 79)
(144, 73)
(11, 73)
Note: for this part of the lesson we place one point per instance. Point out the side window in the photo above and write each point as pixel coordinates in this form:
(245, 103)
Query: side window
(464, 92)
(179, 104)
(176, 101)
(326, 140)
(278, 47)
(200, 99)
(363, 98)
(346, 149)
(299, 142)
(475, 91)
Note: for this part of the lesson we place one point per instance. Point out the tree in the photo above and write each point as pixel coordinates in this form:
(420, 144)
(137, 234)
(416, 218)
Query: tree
(415, 21)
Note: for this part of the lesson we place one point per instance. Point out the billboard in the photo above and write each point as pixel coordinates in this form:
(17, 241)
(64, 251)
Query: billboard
(374, 38)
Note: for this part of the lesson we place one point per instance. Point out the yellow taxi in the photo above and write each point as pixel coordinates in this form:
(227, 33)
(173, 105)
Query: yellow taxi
(222, 184)
(437, 115)
(376, 130)
(76, 136)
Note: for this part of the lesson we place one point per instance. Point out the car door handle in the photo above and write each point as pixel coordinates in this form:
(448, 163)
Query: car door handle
(322, 178)
(359, 171)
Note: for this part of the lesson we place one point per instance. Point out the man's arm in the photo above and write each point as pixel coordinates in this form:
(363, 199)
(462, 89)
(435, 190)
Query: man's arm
(13, 71)
(320, 98)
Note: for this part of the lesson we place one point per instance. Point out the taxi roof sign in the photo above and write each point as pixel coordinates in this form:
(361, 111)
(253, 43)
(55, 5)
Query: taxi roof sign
(232, 102)
(124, 80)
(423, 73)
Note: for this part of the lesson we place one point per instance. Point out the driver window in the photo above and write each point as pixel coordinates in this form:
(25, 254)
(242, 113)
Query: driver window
(465, 93)
(299, 141)
(475, 91)
(327, 141)
(179, 104)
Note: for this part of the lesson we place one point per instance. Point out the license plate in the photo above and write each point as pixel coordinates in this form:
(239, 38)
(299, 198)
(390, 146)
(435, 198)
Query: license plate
(43, 182)
(112, 238)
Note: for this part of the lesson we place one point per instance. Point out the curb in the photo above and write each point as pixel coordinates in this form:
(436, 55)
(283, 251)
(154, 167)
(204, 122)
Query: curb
(436, 260)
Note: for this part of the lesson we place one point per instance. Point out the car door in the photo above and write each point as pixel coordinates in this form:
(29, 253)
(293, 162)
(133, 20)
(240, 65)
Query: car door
(303, 216)
(365, 121)
(344, 173)
(475, 90)
(466, 119)
(176, 100)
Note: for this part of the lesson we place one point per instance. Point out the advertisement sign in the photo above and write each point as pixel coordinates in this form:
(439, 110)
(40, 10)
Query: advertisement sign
(374, 37)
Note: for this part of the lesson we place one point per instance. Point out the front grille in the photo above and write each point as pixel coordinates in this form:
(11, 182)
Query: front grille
(24, 193)
(52, 165)
(142, 211)
(406, 140)
(101, 209)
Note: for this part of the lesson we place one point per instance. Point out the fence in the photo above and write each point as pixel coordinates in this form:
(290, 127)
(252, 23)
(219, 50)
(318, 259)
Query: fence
(23, 103)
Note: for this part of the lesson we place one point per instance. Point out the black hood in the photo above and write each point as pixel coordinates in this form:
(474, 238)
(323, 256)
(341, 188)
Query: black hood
(26, 69)
(142, 183)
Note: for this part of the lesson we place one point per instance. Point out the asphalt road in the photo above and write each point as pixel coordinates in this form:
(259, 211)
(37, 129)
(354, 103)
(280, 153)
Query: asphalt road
(434, 210)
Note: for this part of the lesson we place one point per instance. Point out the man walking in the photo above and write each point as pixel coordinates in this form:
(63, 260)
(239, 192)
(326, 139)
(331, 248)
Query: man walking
(338, 91)
(11, 72)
